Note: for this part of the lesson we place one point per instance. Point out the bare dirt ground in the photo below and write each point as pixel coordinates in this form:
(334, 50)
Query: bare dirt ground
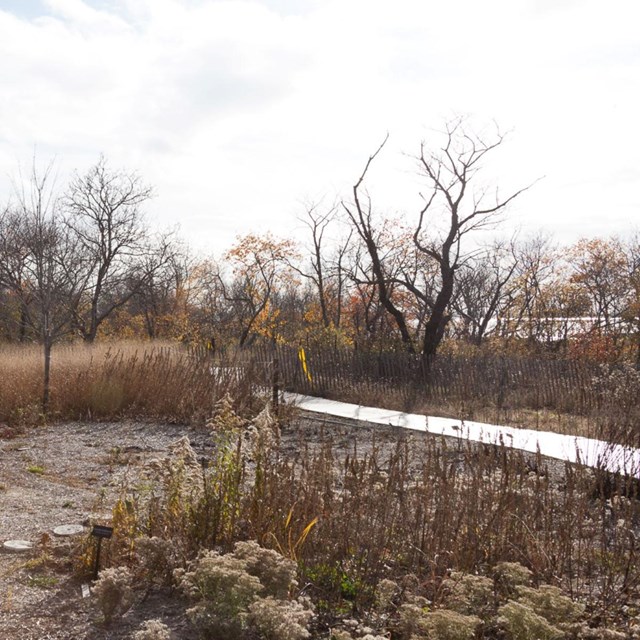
(71, 473)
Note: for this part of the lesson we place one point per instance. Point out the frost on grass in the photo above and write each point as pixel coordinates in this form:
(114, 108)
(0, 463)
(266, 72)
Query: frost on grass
(113, 592)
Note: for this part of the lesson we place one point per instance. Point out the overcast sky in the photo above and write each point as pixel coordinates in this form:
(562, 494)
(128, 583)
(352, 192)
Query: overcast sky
(239, 111)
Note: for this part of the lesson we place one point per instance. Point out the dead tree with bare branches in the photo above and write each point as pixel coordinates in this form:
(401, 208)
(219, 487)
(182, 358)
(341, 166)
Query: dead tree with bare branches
(454, 206)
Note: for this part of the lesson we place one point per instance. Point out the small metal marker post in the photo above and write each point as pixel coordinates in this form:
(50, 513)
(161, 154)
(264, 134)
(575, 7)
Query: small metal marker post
(100, 532)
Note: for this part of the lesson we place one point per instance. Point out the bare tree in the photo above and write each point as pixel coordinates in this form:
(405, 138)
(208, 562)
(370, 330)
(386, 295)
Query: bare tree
(209, 314)
(318, 223)
(156, 278)
(484, 288)
(360, 213)
(104, 212)
(453, 207)
(327, 273)
(41, 264)
(13, 280)
(601, 268)
(528, 310)
(632, 311)
(450, 172)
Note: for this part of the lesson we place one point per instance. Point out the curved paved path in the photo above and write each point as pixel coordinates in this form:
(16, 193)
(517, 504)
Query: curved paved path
(587, 451)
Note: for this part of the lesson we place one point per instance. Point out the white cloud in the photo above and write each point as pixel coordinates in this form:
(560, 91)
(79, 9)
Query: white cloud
(237, 109)
(78, 14)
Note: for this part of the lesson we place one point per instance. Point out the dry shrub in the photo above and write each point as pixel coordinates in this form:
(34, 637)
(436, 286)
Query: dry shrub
(387, 594)
(617, 390)
(469, 594)
(588, 633)
(221, 591)
(153, 630)
(550, 603)
(441, 624)
(226, 593)
(276, 573)
(225, 419)
(180, 501)
(262, 435)
(280, 619)
(156, 559)
(522, 623)
(448, 513)
(434, 507)
(510, 575)
(113, 591)
(179, 474)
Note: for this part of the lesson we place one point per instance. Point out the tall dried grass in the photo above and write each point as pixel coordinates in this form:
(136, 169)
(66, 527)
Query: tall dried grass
(414, 510)
(431, 507)
(108, 381)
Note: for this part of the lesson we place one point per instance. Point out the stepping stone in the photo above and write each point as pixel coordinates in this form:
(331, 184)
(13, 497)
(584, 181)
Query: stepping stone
(68, 530)
(18, 546)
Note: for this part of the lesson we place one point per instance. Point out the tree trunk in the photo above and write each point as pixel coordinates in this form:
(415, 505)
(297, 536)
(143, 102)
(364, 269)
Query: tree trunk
(24, 321)
(48, 343)
(434, 329)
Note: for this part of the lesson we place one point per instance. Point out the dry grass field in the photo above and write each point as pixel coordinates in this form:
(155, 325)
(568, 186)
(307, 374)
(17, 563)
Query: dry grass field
(381, 533)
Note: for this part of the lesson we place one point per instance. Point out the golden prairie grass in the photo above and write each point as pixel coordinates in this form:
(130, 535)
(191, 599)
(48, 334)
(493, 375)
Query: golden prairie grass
(106, 381)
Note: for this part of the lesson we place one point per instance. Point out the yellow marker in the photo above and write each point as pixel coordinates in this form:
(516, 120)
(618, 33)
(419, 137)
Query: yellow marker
(303, 360)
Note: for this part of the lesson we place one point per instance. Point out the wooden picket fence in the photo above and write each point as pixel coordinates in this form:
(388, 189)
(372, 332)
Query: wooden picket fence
(567, 386)
(563, 385)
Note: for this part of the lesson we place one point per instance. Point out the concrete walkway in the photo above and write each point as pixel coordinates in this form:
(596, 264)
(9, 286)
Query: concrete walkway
(587, 451)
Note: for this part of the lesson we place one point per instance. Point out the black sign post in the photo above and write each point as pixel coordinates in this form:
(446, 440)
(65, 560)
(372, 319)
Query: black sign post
(99, 532)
